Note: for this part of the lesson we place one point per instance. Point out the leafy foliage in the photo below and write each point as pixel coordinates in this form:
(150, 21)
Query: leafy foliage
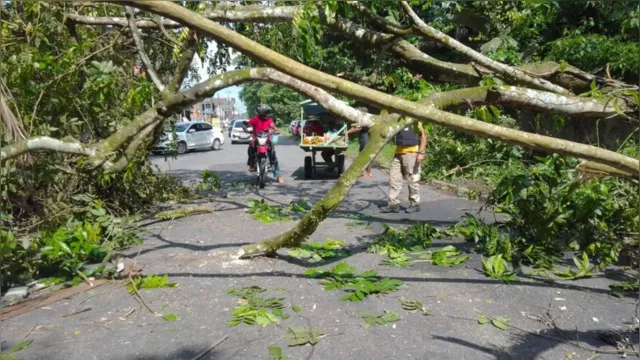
(551, 209)
(208, 181)
(413, 306)
(276, 353)
(303, 336)
(267, 213)
(90, 234)
(496, 267)
(150, 282)
(447, 256)
(372, 319)
(318, 251)
(42, 63)
(414, 238)
(357, 286)
(622, 288)
(255, 310)
(584, 269)
(406, 247)
(170, 317)
(283, 101)
(499, 322)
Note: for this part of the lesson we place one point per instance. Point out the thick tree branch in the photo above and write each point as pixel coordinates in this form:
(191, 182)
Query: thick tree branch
(132, 148)
(228, 13)
(432, 68)
(382, 100)
(44, 143)
(141, 52)
(502, 69)
(140, 127)
(537, 100)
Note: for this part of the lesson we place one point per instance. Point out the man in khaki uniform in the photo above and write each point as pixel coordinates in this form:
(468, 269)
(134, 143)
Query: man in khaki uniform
(410, 151)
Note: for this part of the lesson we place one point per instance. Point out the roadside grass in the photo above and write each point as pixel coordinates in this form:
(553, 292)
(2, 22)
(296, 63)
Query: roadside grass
(383, 159)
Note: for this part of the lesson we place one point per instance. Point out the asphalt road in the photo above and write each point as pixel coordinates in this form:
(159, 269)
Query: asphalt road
(199, 253)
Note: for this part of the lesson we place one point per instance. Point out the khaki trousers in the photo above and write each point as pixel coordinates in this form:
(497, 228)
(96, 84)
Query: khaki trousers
(402, 167)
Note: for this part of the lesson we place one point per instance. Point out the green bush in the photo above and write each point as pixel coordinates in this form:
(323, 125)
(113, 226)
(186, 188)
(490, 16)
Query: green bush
(551, 208)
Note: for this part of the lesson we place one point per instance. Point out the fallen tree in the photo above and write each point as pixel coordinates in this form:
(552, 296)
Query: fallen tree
(546, 89)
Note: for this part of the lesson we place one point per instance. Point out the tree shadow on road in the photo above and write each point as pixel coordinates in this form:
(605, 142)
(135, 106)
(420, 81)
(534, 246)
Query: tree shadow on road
(532, 345)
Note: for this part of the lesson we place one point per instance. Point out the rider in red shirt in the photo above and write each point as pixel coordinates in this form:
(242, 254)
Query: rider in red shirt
(263, 122)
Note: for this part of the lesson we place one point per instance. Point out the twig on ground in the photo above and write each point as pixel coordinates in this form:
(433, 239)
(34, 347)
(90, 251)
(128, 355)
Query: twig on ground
(85, 278)
(30, 331)
(77, 312)
(210, 348)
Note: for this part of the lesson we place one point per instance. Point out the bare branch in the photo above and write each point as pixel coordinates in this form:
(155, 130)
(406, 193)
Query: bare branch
(140, 46)
(381, 100)
(505, 70)
(44, 143)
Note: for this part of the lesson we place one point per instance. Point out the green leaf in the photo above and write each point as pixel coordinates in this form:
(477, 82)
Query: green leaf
(296, 308)
(170, 317)
(483, 320)
(500, 322)
(64, 247)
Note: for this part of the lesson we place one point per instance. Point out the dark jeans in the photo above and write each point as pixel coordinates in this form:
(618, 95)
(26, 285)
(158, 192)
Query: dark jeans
(273, 159)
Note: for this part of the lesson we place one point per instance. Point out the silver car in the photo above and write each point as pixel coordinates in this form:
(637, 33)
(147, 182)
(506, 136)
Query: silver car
(237, 133)
(191, 136)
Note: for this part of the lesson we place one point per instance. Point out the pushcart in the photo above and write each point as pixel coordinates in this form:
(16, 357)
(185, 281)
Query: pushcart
(338, 143)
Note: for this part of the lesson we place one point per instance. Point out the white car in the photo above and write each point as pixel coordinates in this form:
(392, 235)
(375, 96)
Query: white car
(237, 133)
(191, 136)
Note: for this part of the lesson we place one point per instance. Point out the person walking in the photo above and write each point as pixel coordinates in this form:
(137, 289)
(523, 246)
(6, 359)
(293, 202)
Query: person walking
(410, 151)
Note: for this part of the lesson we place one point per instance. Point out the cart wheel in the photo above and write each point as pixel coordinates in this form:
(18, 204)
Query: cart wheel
(308, 168)
(340, 163)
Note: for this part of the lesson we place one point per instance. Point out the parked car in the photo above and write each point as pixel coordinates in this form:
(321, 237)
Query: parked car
(191, 136)
(237, 133)
(293, 125)
(313, 127)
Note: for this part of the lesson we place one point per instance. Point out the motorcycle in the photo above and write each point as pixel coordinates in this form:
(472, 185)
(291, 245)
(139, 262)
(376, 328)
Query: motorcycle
(262, 140)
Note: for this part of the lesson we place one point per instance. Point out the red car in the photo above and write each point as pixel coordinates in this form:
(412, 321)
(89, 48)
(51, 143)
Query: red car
(312, 127)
